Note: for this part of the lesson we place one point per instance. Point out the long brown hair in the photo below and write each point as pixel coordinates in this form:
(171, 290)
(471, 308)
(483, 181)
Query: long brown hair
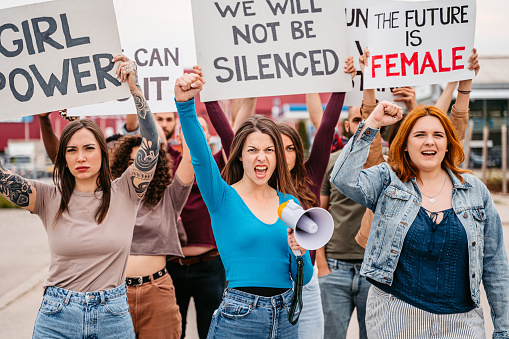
(63, 178)
(399, 158)
(233, 171)
(120, 155)
(299, 174)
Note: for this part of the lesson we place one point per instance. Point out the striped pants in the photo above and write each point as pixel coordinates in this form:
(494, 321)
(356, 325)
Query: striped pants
(388, 317)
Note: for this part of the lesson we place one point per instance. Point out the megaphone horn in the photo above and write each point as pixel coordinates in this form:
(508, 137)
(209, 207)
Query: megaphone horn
(313, 227)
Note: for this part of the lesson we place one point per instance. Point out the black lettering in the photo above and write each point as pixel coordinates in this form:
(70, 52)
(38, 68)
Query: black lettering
(18, 42)
(413, 34)
(313, 8)
(158, 81)
(255, 37)
(314, 62)
(2, 81)
(174, 57)
(272, 26)
(262, 66)
(329, 71)
(432, 12)
(155, 56)
(464, 13)
(229, 70)
(244, 68)
(299, 9)
(30, 90)
(309, 29)
(28, 37)
(44, 37)
(455, 11)
(297, 32)
(277, 7)
(137, 59)
(287, 67)
(305, 71)
(237, 67)
(49, 87)
(236, 32)
(246, 7)
(227, 9)
(102, 72)
(146, 88)
(78, 76)
(70, 41)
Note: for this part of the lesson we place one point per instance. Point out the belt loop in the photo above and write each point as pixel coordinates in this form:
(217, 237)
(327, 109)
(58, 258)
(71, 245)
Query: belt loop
(67, 298)
(152, 281)
(255, 302)
(103, 299)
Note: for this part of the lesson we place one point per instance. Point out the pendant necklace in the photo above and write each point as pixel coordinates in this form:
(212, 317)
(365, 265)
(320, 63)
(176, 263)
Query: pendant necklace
(432, 197)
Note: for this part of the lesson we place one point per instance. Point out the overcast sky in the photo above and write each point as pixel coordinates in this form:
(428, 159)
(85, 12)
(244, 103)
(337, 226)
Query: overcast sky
(492, 28)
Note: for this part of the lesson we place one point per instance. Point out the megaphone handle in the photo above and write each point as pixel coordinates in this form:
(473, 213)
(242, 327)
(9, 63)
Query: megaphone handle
(297, 253)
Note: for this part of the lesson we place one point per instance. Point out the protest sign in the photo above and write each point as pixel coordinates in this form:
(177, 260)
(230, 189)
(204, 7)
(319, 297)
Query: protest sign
(159, 37)
(415, 43)
(56, 55)
(273, 47)
(357, 21)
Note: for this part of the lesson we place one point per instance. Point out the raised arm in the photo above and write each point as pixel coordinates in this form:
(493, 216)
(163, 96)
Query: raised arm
(49, 138)
(185, 171)
(212, 187)
(17, 189)
(316, 164)
(145, 161)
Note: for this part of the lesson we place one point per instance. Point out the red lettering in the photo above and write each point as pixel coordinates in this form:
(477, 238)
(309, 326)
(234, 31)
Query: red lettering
(428, 62)
(440, 68)
(457, 57)
(413, 60)
(388, 65)
(374, 66)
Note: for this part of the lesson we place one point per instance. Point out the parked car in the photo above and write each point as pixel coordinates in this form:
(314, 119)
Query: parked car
(494, 158)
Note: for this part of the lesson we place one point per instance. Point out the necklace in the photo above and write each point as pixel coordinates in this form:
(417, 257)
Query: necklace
(432, 197)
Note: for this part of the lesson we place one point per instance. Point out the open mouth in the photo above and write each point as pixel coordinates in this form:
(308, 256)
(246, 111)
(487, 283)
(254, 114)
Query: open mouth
(429, 154)
(261, 171)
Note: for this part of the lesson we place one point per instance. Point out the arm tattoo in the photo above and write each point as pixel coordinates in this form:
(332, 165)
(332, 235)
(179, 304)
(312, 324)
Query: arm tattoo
(15, 188)
(146, 159)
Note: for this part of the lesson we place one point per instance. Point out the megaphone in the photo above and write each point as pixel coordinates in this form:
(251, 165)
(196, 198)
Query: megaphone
(313, 227)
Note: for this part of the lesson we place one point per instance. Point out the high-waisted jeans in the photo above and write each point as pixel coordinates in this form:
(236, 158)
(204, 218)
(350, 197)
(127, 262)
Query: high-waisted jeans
(245, 315)
(94, 315)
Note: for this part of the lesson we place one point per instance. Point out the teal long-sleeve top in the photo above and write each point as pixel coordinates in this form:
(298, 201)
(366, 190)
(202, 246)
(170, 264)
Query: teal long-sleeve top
(254, 254)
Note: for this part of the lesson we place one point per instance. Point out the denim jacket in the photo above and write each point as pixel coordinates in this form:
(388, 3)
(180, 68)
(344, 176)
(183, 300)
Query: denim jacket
(396, 204)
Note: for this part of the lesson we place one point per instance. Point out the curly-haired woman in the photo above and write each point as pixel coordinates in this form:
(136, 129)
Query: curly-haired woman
(151, 293)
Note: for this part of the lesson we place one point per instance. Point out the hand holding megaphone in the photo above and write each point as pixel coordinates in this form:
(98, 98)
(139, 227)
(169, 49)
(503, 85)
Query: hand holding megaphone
(313, 228)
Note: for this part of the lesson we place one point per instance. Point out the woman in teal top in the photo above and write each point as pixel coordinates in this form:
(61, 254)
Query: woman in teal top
(254, 244)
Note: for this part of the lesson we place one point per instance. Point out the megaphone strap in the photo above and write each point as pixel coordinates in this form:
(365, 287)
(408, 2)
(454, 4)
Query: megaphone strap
(294, 312)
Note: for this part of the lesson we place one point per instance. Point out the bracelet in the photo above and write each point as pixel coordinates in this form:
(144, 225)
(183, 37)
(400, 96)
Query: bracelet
(464, 92)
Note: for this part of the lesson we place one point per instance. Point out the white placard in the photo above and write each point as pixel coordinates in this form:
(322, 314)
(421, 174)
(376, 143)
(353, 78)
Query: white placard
(159, 37)
(357, 21)
(418, 43)
(273, 47)
(56, 55)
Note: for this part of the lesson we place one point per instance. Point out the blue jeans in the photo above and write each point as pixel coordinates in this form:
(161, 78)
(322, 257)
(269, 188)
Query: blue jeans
(205, 282)
(245, 315)
(69, 314)
(343, 290)
(311, 318)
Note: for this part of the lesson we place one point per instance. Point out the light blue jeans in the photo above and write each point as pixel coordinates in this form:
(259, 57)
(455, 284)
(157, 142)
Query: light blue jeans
(69, 314)
(343, 290)
(311, 318)
(245, 315)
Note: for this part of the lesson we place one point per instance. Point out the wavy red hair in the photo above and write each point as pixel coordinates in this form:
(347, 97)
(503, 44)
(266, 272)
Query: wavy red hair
(399, 160)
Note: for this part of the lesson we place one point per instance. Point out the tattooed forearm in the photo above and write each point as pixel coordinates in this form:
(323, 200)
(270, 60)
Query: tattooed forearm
(144, 165)
(15, 188)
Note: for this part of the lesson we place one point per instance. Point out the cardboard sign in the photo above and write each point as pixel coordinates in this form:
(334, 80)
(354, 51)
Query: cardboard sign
(159, 37)
(416, 43)
(273, 47)
(357, 21)
(56, 55)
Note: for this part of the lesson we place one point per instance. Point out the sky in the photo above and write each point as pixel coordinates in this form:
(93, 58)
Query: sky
(492, 26)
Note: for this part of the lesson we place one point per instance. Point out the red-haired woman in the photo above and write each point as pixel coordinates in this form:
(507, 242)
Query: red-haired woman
(436, 233)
